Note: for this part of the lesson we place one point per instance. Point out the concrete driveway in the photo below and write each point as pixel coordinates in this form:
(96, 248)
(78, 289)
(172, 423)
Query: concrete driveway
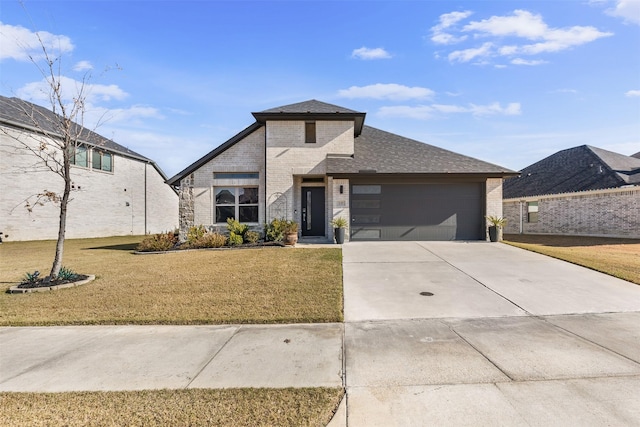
(455, 333)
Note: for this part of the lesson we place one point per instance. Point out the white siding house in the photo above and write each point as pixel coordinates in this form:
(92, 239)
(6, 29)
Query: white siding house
(115, 190)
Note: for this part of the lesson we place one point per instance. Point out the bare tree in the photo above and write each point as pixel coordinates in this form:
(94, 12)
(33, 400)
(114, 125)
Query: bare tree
(59, 136)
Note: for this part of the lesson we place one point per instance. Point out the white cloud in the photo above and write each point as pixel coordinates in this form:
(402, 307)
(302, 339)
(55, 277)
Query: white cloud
(467, 55)
(39, 91)
(390, 91)
(629, 10)
(520, 61)
(83, 66)
(368, 54)
(632, 93)
(534, 35)
(448, 20)
(425, 112)
(20, 44)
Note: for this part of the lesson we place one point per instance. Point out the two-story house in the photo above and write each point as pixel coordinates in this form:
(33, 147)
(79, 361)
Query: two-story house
(115, 191)
(313, 162)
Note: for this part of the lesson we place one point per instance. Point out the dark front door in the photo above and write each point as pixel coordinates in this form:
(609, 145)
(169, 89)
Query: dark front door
(313, 212)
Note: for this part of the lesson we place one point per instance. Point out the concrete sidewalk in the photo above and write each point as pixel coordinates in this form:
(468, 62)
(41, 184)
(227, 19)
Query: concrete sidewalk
(89, 358)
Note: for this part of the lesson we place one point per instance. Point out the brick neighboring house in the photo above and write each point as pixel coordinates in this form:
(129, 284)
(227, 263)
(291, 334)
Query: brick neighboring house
(313, 162)
(583, 190)
(115, 190)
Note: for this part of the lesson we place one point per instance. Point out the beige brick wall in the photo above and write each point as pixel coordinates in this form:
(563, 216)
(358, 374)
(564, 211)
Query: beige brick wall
(246, 155)
(607, 213)
(288, 155)
(494, 198)
(103, 203)
(340, 205)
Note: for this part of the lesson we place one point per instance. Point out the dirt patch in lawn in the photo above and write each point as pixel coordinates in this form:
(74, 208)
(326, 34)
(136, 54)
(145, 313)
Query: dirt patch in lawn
(264, 285)
(229, 407)
(617, 257)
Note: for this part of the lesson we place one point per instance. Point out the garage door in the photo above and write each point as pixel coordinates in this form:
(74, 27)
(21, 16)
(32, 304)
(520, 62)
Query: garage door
(417, 211)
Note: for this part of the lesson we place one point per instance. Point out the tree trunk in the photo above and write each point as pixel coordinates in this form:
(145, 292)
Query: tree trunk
(62, 224)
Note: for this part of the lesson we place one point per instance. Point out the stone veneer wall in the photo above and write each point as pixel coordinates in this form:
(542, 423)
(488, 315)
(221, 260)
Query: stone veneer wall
(606, 213)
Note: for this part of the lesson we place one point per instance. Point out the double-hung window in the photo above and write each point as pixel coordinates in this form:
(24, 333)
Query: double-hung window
(240, 203)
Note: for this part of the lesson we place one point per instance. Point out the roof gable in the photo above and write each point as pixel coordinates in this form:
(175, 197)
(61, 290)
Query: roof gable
(380, 152)
(312, 110)
(575, 169)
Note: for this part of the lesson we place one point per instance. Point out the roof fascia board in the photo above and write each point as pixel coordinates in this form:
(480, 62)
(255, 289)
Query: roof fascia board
(438, 175)
(358, 118)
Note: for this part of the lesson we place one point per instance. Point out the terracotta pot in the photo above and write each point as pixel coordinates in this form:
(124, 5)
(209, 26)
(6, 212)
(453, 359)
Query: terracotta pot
(291, 239)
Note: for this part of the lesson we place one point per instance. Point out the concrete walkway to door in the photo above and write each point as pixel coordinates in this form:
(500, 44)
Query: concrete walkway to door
(475, 333)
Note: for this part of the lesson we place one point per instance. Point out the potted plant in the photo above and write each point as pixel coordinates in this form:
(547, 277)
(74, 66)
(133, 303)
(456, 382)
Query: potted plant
(290, 233)
(496, 226)
(339, 227)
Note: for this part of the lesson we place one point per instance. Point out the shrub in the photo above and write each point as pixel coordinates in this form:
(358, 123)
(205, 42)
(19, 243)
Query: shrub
(274, 231)
(236, 227)
(195, 233)
(66, 274)
(251, 237)
(235, 239)
(158, 242)
(210, 240)
(30, 278)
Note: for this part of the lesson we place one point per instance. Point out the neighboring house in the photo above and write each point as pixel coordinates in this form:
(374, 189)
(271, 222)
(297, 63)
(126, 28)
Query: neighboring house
(115, 191)
(313, 162)
(575, 169)
(637, 155)
(579, 191)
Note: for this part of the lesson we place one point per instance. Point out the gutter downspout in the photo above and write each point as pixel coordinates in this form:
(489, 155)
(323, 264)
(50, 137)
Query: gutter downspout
(521, 217)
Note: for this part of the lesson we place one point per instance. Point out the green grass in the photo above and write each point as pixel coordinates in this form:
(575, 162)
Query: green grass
(228, 407)
(616, 257)
(260, 285)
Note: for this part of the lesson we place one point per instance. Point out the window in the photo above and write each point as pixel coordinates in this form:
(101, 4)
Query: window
(240, 203)
(101, 161)
(310, 132)
(78, 156)
(366, 189)
(532, 211)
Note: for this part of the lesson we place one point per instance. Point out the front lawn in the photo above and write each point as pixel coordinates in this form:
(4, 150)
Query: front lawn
(616, 257)
(259, 285)
(228, 407)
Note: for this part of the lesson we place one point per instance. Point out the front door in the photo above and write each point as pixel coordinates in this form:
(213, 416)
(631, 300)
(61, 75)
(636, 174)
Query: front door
(313, 212)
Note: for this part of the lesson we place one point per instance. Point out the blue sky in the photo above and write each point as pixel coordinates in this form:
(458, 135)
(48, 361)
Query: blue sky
(509, 82)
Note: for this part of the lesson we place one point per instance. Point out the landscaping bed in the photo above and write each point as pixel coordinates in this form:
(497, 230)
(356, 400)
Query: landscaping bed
(616, 257)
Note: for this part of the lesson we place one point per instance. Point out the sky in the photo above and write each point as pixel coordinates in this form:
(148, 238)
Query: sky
(508, 82)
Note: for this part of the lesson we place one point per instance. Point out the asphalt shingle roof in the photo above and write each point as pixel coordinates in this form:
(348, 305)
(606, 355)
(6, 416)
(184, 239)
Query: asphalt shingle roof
(18, 112)
(575, 169)
(388, 153)
(312, 106)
